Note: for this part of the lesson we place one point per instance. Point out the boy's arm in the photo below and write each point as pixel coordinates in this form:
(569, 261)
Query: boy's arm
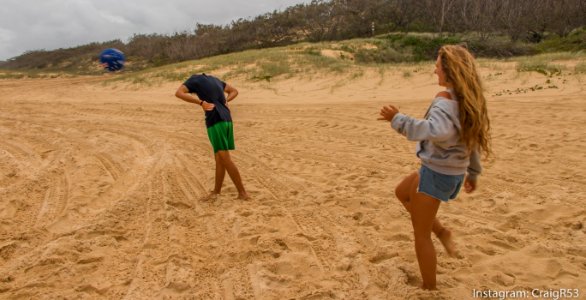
(231, 91)
(183, 94)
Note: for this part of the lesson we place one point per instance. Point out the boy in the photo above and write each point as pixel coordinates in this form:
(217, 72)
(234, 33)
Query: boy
(210, 96)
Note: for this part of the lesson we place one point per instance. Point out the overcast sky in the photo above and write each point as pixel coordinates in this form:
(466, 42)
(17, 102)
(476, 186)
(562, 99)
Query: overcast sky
(51, 24)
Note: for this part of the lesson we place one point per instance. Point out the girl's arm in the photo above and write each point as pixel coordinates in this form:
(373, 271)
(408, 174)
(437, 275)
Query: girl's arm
(438, 126)
(474, 169)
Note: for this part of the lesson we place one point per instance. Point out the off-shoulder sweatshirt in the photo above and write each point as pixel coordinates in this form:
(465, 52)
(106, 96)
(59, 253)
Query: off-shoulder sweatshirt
(440, 147)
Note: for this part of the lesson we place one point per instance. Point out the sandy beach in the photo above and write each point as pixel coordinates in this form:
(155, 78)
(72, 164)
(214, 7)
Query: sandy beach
(101, 187)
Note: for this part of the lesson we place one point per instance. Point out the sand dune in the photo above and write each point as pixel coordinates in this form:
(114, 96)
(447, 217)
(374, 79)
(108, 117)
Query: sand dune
(100, 191)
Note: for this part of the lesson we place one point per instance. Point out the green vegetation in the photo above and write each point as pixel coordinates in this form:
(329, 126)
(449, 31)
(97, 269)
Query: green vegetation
(539, 67)
(392, 48)
(414, 48)
(8, 74)
(534, 88)
(580, 68)
(549, 64)
(268, 70)
(575, 41)
(12, 75)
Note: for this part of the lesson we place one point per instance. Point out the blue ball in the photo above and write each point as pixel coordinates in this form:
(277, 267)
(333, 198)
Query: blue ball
(112, 59)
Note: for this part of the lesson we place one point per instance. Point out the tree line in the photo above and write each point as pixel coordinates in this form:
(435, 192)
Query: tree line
(323, 20)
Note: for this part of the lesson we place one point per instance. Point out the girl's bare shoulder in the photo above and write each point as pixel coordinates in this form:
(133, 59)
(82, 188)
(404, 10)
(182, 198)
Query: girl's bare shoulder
(444, 94)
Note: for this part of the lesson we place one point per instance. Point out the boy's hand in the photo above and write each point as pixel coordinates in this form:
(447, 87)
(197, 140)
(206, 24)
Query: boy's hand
(469, 185)
(207, 106)
(388, 113)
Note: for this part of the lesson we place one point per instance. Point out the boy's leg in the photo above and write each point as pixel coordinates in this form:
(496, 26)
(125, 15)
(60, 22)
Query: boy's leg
(220, 173)
(403, 192)
(232, 172)
(423, 211)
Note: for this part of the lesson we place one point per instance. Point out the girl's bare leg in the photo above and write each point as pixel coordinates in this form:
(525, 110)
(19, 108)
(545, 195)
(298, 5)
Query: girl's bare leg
(423, 211)
(403, 192)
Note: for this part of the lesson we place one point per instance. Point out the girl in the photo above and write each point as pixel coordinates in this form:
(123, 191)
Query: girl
(456, 127)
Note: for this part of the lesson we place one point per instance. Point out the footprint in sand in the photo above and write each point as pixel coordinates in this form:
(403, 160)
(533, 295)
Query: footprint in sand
(382, 256)
(504, 279)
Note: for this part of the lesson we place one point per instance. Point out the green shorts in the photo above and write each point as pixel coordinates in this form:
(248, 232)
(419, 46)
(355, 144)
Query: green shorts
(221, 136)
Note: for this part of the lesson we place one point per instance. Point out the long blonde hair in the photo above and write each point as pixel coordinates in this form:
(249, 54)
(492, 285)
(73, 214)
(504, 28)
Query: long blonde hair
(461, 72)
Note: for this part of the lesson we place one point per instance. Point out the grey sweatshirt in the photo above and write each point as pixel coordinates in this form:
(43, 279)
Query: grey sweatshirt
(440, 147)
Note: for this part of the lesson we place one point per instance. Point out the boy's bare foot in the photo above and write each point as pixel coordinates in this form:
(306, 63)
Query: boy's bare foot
(445, 236)
(243, 196)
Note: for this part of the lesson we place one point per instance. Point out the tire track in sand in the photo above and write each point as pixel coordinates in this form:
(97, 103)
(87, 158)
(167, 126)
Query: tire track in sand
(55, 201)
(113, 168)
(147, 278)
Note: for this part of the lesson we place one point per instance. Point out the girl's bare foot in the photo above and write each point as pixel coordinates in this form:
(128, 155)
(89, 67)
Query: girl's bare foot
(445, 236)
(243, 196)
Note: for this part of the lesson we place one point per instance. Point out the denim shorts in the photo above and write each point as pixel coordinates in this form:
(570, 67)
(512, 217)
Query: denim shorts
(440, 186)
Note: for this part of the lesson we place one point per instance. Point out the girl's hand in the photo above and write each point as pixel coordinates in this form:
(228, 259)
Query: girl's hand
(388, 113)
(207, 106)
(469, 185)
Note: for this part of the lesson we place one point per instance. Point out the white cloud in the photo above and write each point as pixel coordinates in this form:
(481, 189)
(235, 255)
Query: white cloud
(114, 19)
(51, 24)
